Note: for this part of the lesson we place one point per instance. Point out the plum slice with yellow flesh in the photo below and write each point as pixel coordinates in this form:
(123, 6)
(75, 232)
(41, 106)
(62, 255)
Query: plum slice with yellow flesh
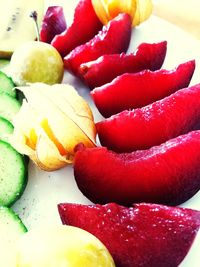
(153, 124)
(114, 38)
(147, 56)
(143, 235)
(165, 174)
(136, 90)
(53, 23)
(85, 26)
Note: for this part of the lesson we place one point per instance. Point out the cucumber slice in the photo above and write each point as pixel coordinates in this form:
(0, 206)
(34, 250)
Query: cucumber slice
(6, 128)
(7, 85)
(11, 229)
(9, 106)
(13, 174)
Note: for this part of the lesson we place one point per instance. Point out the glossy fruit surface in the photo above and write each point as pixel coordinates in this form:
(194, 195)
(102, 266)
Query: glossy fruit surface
(154, 124)
(61, 246)
(144, 235)
(84, 26)
(166, 174)
(114, 38)
(36, 62)
(140, 89)
(53, 23)
(101, 71)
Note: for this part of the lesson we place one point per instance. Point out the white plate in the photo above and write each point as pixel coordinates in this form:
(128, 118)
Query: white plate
(38, 205)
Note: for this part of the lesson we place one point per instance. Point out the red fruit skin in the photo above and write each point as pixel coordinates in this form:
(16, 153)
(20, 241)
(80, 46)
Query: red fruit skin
(136, 90)
(145, 235)
(165, 174)
(108, 67)
(154, 124)
(84, 27)
(114, 38)
(53, 23)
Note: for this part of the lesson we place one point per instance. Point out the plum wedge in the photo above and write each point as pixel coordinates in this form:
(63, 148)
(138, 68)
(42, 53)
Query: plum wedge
(154, 124)
(84, 27)
(101, 71)
(114, 38)
(136, 90)
(165, 174)
(53, 23)
(145, 235)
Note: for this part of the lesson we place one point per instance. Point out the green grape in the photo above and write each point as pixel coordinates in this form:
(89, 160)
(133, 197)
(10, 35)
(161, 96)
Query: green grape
(36, 62)
(62, 246)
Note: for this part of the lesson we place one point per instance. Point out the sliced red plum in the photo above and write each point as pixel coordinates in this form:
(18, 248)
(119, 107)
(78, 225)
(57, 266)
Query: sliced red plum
(144, 235)
(107, 67)
(85, 26)
(53, 23)
(165, 174)
(153, 124)
(114, 38)
(136, 90)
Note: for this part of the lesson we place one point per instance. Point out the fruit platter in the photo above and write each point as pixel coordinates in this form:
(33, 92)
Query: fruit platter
(99, 137)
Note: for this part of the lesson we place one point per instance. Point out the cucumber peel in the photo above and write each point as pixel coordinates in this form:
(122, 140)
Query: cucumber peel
(13, 174)
(9, 106)
(7, 85)
(6, 128)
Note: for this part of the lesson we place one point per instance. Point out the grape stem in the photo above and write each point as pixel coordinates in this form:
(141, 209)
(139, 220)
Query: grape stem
(34, 16)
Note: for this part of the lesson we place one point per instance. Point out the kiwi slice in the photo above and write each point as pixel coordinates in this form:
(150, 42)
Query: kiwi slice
(16, 26)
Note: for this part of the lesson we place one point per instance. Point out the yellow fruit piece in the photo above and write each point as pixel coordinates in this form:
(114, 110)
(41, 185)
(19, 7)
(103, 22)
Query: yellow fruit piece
(143, 11)
(67, 132)
(47, 155)
(21, 143)
(32, 141)
(35, 142)
(69, 102)
(50, 123)
(61, 246)
(26, 133)
(116, 6)
(52, 137)
(36, 62)
(139, 10)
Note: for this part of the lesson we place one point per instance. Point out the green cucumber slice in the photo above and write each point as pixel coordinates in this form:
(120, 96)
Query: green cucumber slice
(6, 128)
(7, 85)
(11, 229)
(13, 174)
(9, 106)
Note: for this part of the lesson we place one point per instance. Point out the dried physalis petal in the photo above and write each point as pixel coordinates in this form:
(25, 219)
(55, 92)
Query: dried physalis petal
(139, 10)
(143, 11)
(50, 123)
